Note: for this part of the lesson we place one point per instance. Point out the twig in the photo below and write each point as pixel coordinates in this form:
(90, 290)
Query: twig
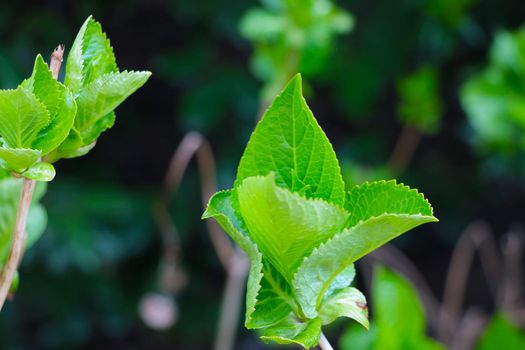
(477, 236)
(232, 301)
(232, 260)
(324, 344)
(28, 187)
(56, 60)
(18, 241)
(404, 149)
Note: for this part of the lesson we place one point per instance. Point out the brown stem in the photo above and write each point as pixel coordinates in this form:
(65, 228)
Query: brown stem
(324, 344)
(56, 60)
(232, 301)
(476, 237)
(404, 149)
(18, 241)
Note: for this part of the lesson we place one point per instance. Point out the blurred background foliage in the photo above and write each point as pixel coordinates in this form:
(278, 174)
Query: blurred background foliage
(428, 91)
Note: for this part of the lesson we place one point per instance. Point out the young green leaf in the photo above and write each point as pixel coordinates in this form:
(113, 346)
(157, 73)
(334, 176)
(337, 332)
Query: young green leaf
(380, 211)
(91, 56)
(220, 208)
(18, 159)
(293, 331)
(100, 97)
(347, 302)
(22, 116)
(289, 142)
(284, 225)
(59, 103)
(92, 75)
(40, 172)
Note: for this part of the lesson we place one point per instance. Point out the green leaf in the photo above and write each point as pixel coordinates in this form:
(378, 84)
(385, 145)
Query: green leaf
(380, 197)
(91, 134)
(501, 333)
(289, 142)
(220, 208)
(356, 338)
(293, 331)
(268, 297)
(22, 116)
(380, 211)
(97, 54)
(286, 226)
(91, 56)
(274, 299)
(100, 97)
(59, 103)
(40, 172)
(18, 159)
(347, 302)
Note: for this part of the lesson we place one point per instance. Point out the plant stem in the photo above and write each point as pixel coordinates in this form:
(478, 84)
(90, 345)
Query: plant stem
(18, 241)
(324, 344)
(28, 187)
(404, 150)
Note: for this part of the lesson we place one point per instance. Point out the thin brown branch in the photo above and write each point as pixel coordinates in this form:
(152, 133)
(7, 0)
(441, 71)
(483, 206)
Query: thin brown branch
(193, 144)
(232, 301)
(18, 240)
(404, 149)
(476, 237)
(234, 262)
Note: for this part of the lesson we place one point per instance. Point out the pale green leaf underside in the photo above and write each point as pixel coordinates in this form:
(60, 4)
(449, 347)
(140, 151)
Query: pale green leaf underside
(268, 297)
(59, 103)
(326, 262)
(220, 208)
(286, 226)
(292, 331)
(348, 302)
(22, 116)
(18, 159)
(289, 142)
(40, 172)
(104, 94)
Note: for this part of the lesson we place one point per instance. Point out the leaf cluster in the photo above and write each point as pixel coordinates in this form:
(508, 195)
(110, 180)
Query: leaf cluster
(290, 213)
(44, 120)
